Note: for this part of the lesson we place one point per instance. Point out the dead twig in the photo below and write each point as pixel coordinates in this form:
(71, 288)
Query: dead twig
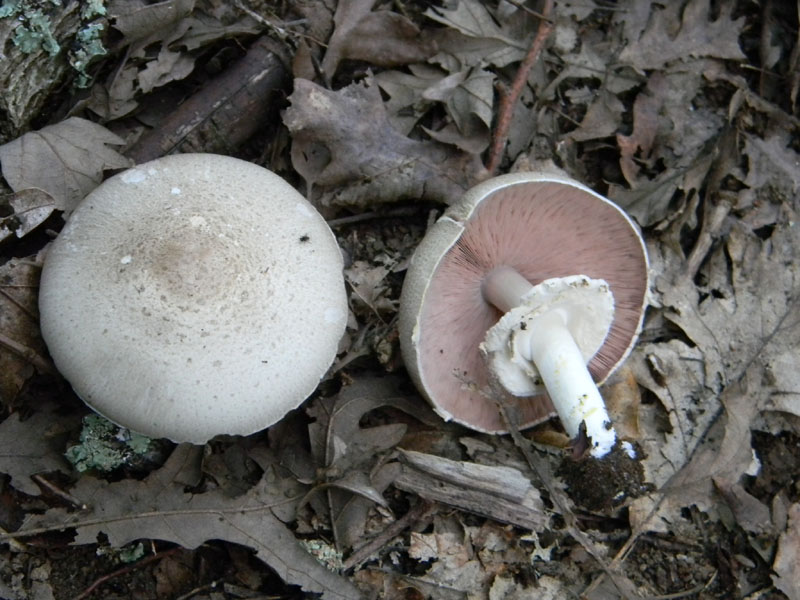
(421, 511)
(57, 491)
(701, 587)
(42, 364)
(124, 570)
(509, 98)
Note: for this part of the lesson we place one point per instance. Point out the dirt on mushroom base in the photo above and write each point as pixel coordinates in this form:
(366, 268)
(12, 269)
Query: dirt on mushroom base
(600, 485)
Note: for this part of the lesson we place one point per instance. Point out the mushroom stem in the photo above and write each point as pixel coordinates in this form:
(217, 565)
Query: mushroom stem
(569, 384)
(504, 287)
(559, 361)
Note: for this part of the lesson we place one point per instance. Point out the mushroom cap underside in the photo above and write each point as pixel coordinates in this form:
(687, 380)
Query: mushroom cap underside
(192, 296)
(542, 225)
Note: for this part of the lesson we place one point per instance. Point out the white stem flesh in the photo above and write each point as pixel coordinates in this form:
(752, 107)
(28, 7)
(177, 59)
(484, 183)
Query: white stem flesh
(569, 384)
(504, 288)
(559, 362)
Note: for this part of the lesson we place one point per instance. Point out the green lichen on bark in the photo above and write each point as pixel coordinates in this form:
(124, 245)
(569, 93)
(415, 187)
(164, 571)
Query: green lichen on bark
(35, 32)
(105, 446)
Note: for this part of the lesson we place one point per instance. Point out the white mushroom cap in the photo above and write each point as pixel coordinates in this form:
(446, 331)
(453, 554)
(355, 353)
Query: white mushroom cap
(192, 296)
(544, 226)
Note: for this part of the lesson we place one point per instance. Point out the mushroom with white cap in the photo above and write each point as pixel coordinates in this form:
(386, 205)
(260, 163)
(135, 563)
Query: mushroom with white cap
(532, 280)
(193, 295)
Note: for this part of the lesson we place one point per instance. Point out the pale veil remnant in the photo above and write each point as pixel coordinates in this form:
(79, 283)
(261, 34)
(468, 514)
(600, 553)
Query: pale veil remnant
(192, 296)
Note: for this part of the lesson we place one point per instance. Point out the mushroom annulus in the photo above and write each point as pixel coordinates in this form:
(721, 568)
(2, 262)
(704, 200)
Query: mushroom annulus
(192, 296)
(532, 281)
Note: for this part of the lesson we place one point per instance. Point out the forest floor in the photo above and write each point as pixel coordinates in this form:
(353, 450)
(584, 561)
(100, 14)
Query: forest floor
(382, 113)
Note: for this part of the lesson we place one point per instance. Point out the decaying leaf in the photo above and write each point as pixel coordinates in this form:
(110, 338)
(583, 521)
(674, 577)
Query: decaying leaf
(455, 565)
(348, 452)
(602, 119)
(474, 36)
(677, 32)
(468, 561)
(370, 287)
(66, 160)
(382, 38)
(773, 178)
(344, 145)
(158, 508)
(469, 98)
(684, 143)
(173, 28)
(139, 20)
(31, 208)
(646, 120)
(788, 557)
(741, 324)
(34, 445)
(167, 66)
(406, 103)
(22, 350)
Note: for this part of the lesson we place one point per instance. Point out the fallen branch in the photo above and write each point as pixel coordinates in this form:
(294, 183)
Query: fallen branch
(226, 111)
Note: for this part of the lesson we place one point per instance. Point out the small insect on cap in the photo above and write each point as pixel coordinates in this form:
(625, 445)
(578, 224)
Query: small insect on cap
(192, 296)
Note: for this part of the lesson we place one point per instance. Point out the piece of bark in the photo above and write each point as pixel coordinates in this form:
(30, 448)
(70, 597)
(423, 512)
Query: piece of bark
(500, 493)
(226, 111)
(28, 79)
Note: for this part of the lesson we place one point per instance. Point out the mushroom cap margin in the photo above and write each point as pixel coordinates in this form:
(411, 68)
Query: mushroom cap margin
(237, 250)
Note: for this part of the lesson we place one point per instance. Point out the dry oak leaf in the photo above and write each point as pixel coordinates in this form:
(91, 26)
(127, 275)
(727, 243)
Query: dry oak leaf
(741, 332)
(168, 66)
(347, 454)
(473, 36)
(455, 565)
(677, 32)
(177, 27)
(469, 98)
(66, 160)
(370, 287)
(381, 38)
(602, 119)
(138, 20)
(666, 131)
(705, 460)
(31, 208)
(22, 350)
(34, 445)
(787, 558)
(406, 104)
(158, 508)
(343, 143)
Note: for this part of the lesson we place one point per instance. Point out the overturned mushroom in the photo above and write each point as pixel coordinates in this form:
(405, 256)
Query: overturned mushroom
(532, 280)
(192, 296)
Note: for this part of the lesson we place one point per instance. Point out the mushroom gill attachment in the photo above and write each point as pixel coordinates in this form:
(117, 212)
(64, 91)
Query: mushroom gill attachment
(537, 248)
(180, 302)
